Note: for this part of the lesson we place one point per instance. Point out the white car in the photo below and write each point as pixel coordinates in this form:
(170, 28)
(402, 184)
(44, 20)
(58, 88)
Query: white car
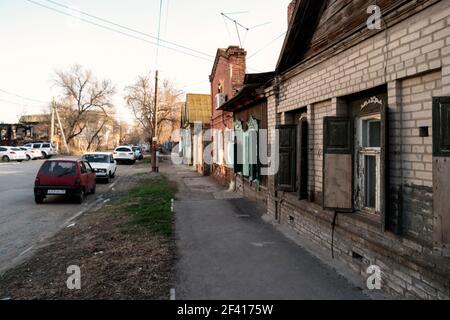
(125, 154)
(8, 154)
(48, 149)
(32, 154)
(103, 163)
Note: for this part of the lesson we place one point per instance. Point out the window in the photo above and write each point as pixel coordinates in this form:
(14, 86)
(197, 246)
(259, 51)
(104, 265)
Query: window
(368, 163)
(59, 168)
(83, 168)
(36, 146)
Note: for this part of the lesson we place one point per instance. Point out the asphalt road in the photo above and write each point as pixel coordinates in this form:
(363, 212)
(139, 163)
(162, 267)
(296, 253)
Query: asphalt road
(24, 226)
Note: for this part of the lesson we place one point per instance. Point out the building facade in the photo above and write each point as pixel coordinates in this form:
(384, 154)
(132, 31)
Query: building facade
(362, 114)
(195, 120)
(227, 79)
(249, 110)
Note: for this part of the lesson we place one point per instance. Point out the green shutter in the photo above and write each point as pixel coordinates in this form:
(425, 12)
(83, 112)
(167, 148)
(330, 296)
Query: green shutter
(441, 127)
(286, 178)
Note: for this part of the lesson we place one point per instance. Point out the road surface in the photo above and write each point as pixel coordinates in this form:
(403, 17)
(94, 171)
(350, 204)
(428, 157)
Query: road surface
(24, 225)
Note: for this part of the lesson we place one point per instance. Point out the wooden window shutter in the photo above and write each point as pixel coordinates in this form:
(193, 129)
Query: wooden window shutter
(338, 164)
(441, 174)
(302, 159)
(441, 127)
(287, 171)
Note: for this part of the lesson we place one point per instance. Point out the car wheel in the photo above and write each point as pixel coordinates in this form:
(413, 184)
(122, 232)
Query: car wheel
(28, 158)
(5, 159)
(133, 162)
(113, 175)
(39, 199)
(44, 155)
(94, 189)
(80, 197)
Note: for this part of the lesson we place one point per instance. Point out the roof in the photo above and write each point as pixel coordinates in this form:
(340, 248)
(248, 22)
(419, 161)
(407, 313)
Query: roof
(35, 118)
(252, 91)
(197, 108)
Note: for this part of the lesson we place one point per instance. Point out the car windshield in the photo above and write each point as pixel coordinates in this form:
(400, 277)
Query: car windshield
(123, 150)
(59, 168)
(97, 158)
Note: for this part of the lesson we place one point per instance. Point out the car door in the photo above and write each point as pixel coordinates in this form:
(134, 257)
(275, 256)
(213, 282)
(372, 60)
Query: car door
(84, 176)
(91, 176)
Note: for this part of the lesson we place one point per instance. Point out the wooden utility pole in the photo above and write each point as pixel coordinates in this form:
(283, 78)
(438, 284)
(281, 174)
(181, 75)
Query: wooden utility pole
(52, 128)
(61, 127)
(155, 128)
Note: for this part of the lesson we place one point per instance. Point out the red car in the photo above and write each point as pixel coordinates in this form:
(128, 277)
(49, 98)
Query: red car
(72, 178)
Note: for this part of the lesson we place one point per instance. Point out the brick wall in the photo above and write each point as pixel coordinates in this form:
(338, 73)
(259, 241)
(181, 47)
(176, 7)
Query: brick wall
(413, 59)
(229, 71)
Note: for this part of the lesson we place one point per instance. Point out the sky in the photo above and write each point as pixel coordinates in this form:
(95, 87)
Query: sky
(35, 42)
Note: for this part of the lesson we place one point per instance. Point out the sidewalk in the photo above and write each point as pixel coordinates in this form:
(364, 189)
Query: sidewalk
(226, 251)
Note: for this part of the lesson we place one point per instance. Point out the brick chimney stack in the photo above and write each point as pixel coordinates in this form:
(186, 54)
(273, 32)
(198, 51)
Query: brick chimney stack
(291, 10)
(237, 61)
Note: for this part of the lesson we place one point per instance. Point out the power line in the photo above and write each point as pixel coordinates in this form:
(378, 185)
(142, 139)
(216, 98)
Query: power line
(118, 31)
(159, 32)
(267, 45)
(21, 97)
(128, 28)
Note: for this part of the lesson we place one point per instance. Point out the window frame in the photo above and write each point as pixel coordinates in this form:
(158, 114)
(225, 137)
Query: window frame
(360, 164)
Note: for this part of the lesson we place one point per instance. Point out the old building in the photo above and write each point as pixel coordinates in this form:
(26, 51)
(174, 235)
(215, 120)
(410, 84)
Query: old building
(195, 120)
(15, 134)
(227, 79)
(362, 108)
(249, 109)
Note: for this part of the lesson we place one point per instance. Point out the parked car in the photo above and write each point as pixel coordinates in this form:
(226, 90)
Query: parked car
(71, 178)
(103, 163)
(32, 154)
(125, 154)
(8, 154)
(48, 149)
(139, 154)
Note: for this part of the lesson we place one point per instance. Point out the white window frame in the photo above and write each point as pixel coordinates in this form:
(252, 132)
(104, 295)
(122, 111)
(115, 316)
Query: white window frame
(362, 153)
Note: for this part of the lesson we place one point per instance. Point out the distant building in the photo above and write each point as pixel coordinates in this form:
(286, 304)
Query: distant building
(195, 117)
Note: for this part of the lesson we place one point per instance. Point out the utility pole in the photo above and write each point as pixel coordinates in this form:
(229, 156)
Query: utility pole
(155, 128)
(52, 128)
(61, 127)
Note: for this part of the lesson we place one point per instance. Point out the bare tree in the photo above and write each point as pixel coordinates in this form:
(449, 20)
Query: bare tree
(82, 93)
(140, 99)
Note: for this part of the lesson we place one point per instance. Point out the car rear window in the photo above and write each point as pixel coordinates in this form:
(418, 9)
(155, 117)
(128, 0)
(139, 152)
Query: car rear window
(16, 149)
(59, 168)
(97, 158)
(123, 150)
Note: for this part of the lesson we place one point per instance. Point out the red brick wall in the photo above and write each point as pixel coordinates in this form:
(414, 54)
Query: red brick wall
(230, 73)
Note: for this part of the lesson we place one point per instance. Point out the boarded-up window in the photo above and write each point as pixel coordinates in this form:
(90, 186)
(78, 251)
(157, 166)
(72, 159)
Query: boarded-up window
(287, 170)
(338, 164)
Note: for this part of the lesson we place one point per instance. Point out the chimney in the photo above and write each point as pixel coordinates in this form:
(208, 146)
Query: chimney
(291, 11)
(237, 62)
